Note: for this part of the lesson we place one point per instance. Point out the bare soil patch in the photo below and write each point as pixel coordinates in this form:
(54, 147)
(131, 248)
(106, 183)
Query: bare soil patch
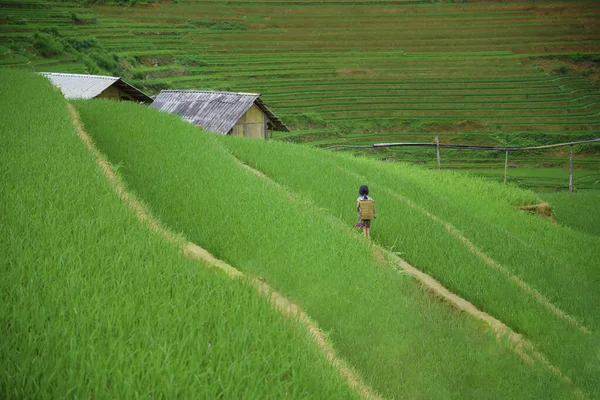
(542, 209)
(355, 72)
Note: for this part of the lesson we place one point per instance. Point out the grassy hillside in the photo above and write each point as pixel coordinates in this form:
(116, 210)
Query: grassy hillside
(95, 305)
(480, 72)
(578, 211)
(466, 233)
(375, 66)
(299, 238)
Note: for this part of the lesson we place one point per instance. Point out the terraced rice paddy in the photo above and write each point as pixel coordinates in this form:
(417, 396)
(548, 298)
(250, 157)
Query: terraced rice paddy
(389, 63)
(92, 308)
(299, 241)
(401, 186)
(94, 304)
(478, 72)
(371, 62)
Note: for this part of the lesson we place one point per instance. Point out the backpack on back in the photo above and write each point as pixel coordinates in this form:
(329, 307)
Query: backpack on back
(367, 209)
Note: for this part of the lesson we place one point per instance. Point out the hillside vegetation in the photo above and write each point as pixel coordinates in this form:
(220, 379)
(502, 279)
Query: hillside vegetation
(579, 212)
(294, 231)
(504, 246)
(480, 72)
(99, 306)
(383, 66)
(94, 305)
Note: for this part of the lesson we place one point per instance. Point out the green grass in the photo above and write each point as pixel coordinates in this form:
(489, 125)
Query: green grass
(362, 44)
(403, 341)
(539, 178)
(363, 68)
(13, 59)
(578, 211)
(557, 262)
(95, 305)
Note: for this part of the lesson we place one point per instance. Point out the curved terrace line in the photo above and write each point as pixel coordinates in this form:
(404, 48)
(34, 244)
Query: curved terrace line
(522, 346)
(494, 264)
(499, 106)
(300, 46)
(195, 252)
(441, 98)
(541, 299)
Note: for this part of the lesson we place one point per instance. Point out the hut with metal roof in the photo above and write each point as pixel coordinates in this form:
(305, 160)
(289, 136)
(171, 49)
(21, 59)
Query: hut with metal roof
(77, 86)
(226, 113)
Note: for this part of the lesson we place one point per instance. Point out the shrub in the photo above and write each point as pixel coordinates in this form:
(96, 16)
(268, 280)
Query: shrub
(83, 44)
(218, 25)
(563, 69)
(50, 31)
(90, 66)
(83, 19)
(138, 75)
(47, 45)
(105, 61)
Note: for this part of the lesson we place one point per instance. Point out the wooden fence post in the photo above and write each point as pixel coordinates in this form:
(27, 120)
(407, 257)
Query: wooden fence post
(437, 144)
(505, 166)
(571, 169)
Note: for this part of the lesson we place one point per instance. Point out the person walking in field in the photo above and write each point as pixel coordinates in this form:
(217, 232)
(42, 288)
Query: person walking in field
(365, 206)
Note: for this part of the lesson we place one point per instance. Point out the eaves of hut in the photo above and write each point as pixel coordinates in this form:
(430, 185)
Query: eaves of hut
(238, 114)
(78, 86)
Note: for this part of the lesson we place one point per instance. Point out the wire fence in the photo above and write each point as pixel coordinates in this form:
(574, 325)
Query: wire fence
(439, 146)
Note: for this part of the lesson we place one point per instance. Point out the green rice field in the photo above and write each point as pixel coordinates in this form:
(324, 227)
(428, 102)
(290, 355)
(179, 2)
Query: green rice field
(519, 245)
(97, 305)
(476, 72)
(326, 265)
(578, 210)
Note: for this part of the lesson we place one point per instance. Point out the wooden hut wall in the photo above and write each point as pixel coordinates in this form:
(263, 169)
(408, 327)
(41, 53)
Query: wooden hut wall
(114, 93)
(252, 124)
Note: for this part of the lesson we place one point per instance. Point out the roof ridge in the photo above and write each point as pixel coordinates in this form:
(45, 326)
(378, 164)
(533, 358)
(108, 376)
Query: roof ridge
(209, 91)
(80, 75)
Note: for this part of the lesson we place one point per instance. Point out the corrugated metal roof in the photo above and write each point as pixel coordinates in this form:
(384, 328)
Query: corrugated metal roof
(214, 111)
(78, 86)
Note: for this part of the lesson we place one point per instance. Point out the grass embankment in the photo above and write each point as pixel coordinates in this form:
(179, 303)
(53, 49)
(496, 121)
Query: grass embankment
(578, 210)
(501, 250)
(95, 305)
(404, 342)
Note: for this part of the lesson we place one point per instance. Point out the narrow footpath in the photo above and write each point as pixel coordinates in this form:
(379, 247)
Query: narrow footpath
(487, 259)
(521, 346)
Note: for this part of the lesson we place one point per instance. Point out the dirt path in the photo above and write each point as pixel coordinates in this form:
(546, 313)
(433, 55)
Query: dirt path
(520, 345)
(487, 260)
(196, 252)
(494, 264)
